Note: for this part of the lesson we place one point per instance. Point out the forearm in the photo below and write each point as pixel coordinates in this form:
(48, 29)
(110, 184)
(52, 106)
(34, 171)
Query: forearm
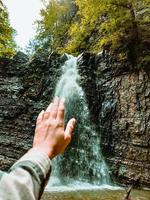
(27, 177)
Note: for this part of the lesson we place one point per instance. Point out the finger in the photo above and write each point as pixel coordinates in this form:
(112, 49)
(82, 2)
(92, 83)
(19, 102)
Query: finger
(47, 112)
(49, 107)
(69, 129)
(61, 110)
(40, 117)
(54, 108)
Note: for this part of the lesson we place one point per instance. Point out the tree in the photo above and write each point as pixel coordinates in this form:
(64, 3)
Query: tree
(54, 24)
(120, 26)
(85, 26)
(7, 44)
(102, 24)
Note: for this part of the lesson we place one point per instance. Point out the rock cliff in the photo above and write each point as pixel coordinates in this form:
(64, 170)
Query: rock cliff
(118, 100)
(119, 103)
(26, 87)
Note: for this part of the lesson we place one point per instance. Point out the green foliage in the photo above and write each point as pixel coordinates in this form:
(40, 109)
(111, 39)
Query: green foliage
(54, 24)
(86, 24)
(75, 26)
(7, 44)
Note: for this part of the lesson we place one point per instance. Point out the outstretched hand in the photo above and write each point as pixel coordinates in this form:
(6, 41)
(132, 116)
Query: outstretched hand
(50, 136)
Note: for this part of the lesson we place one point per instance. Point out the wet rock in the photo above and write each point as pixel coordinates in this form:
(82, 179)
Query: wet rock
(119, 99)
(26, 87)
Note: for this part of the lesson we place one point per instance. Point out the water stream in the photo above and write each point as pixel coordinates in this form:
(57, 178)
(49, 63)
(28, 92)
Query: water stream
(81, 173)
(83, 163)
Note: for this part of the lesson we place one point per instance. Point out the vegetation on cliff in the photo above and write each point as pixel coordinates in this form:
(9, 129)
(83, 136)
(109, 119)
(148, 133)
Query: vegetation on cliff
(55, 22)
(7, 44)
(73, 26)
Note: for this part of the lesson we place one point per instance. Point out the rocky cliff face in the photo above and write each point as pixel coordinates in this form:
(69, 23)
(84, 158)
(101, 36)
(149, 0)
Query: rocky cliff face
(118, 100)
(26, 87)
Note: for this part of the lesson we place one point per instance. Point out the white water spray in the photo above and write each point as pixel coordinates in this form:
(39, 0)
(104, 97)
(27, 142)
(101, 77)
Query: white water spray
(83, 161)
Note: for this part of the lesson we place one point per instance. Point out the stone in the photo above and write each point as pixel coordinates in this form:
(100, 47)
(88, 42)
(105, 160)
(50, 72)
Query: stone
(26, 87)
(123, 123)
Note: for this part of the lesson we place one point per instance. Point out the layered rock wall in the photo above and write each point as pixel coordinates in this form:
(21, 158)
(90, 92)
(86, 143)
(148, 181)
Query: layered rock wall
(26, 88)
(120, 98)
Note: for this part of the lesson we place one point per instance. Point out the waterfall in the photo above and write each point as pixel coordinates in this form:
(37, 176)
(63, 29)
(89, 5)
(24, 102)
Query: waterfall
(83, 160)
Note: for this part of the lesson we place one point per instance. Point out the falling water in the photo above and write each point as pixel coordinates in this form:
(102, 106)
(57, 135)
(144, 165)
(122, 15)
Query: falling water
(83, 161)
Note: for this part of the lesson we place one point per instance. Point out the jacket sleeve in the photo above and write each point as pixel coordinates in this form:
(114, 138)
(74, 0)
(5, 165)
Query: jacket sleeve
(27, 177)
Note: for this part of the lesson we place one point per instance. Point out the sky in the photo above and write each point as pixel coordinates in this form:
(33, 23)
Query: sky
(22, 14)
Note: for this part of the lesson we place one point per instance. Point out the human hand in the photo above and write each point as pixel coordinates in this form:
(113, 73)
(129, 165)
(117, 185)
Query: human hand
(50, 136)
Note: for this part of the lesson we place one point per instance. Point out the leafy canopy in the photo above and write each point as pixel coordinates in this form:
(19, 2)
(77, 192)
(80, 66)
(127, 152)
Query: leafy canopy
(54, 24)
(7, 44)
(76, 25)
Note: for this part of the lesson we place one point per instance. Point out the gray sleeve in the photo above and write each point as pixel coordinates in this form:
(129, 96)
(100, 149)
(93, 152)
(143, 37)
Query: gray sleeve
(27, 177)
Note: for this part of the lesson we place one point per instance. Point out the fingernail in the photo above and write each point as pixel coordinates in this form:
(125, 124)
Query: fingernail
(56, 98)
(63, 99)
(42, 112)
(74, 121)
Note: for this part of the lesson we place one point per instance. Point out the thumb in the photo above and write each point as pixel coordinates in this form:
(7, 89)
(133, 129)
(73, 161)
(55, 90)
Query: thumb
(69, 129)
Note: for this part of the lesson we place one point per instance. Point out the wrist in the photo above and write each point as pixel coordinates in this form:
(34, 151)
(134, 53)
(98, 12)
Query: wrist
(46, 151)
